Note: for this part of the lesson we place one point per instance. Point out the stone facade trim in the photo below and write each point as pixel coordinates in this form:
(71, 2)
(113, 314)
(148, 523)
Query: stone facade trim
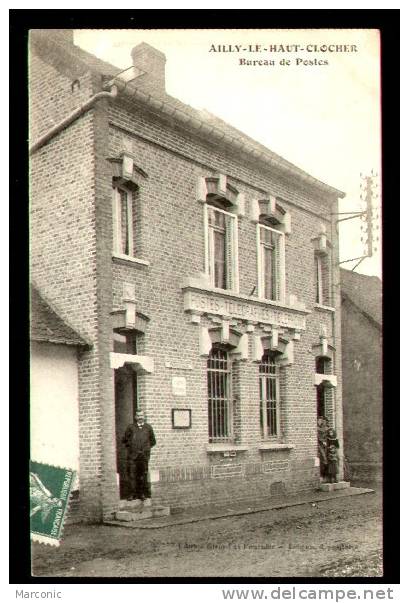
(210, 448)
(275, 446)
(201, 299)
(328, 380)
(140, 364)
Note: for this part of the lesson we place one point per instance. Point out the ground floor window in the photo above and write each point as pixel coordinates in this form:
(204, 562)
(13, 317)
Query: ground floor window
(269, 396)
(220, 403)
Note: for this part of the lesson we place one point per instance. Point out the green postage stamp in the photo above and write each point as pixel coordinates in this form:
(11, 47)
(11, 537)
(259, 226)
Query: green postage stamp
(50, 489)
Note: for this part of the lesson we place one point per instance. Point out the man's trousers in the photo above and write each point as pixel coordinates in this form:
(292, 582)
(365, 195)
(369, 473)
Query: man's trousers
(139, 486)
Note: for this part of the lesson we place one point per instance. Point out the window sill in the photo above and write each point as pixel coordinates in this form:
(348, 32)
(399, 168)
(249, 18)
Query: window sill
(210, 448)
(324, 308)
(130, 259)
(274, 446)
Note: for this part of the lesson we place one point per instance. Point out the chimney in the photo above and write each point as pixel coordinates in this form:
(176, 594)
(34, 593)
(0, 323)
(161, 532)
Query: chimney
(152, 62)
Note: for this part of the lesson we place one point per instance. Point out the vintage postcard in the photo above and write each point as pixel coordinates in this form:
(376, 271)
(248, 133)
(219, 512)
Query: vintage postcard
(206, 326)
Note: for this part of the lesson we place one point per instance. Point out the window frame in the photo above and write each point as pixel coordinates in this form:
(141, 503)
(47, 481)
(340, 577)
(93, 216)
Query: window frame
(269, 360)
(319, 289)
(280, 282)
(117, 221)
(231, 238)
(214, 401)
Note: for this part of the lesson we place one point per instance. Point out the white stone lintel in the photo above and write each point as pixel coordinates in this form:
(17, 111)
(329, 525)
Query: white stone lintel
(222, 183)
(254, 210)
(201, 190)
(243, 347)
(330, 380)
(241, 205)
(195, 318)
(258, 349)
(205, 342)
(140, 364)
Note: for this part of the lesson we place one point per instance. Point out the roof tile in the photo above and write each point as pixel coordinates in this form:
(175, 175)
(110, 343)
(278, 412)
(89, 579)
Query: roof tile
(364, 291)
(47, 326)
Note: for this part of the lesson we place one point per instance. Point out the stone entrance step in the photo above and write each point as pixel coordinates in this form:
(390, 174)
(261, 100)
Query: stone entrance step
(336, 486)
(133, 510)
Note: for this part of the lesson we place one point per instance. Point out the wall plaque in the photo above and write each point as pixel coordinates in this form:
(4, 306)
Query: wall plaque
(179, 386)
(179, 364)
(181, 418)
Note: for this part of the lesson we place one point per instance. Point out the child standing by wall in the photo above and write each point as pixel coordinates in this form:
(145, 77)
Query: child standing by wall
(332, 466)
(322, 428)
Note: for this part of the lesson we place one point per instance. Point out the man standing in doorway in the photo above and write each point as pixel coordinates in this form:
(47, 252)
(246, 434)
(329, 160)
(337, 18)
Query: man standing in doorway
(139, 438)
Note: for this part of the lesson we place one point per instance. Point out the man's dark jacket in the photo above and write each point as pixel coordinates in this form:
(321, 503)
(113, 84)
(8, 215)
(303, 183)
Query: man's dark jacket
(139, 440)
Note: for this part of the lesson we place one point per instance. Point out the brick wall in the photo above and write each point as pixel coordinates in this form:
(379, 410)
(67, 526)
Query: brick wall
(173, 242)
(63, 244)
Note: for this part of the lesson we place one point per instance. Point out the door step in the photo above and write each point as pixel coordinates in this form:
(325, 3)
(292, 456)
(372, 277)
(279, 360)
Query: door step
(134, 511)
(337, 486)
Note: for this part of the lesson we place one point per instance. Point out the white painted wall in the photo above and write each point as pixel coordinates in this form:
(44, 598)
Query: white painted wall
(54, 412)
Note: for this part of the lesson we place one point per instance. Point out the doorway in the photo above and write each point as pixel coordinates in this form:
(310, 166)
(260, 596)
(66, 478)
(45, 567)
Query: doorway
(321, 401)
(126, 404)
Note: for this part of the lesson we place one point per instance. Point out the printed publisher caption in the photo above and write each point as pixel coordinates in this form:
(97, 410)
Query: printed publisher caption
(285, 55)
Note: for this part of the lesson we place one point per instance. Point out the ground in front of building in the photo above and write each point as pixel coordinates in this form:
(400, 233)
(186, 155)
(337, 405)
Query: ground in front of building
(334, 537)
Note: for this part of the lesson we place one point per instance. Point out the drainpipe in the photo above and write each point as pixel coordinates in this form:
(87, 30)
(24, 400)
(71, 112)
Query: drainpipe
(112, 94)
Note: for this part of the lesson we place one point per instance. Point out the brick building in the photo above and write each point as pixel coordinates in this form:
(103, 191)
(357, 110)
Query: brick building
(201, 267)
(362, 369)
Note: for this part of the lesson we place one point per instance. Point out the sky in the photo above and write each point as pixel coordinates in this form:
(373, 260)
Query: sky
(324, 118)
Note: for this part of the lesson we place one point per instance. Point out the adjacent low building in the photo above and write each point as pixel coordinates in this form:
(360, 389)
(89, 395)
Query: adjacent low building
(203, 270)
(362, 370)
(54, 391)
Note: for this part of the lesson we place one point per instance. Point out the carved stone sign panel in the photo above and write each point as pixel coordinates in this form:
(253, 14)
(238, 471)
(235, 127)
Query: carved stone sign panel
(213, 303)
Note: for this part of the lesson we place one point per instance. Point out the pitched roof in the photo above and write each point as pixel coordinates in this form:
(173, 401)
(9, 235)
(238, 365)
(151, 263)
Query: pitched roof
(202, 121)
(48, 326)
(365, 292)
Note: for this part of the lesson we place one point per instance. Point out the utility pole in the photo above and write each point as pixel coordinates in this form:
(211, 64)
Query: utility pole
(369, 217)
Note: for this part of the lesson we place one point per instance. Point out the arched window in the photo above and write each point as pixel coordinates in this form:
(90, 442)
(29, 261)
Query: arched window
(269, 396)
(219, 390)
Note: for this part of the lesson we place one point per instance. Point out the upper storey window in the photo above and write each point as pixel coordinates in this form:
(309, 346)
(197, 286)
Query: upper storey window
(322, 268)
(222, 204)
(271, 268)
(127, 183)
(124, 222)
(319, 296)
(273, 223)
(222, 248)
